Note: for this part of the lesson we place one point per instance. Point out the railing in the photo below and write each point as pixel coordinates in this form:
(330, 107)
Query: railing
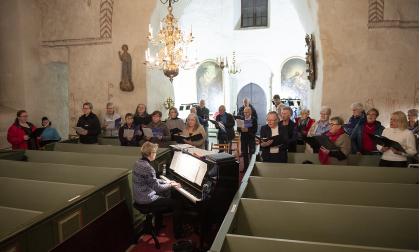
(230, 215)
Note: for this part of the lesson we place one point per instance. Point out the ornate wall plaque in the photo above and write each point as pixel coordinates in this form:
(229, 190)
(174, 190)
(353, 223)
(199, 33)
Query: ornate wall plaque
(310, 59)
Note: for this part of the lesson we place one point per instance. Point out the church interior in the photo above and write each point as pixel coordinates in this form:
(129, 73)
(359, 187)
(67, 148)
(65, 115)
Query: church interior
(281, 177)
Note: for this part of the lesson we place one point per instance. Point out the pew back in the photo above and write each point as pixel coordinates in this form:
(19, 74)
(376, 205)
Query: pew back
(97, 149)
(243, 243)
(337, 172)
(39, 195)
(334, 192)
(330, 223)
(84, 159)
(73, 174)
(352, 160)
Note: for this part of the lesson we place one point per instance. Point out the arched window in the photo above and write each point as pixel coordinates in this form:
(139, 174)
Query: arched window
(254, 13)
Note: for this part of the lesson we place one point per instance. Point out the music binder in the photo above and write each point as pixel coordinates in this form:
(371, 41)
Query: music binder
(386, 142)
(277, 140)
(37, 132)
(175, 131)
(335, 151)
(312, 142)
(180, 138)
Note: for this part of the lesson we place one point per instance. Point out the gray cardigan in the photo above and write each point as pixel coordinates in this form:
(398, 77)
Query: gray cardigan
(145, 184)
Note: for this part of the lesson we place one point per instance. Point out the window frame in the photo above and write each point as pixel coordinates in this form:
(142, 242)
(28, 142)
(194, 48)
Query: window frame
(250, 7)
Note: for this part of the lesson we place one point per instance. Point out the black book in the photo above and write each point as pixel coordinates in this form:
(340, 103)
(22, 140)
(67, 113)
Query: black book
(37, 132)
(175, 131)
(386, 142)
(277, 140)
(312, 142)
(180, 138)
(325, 142)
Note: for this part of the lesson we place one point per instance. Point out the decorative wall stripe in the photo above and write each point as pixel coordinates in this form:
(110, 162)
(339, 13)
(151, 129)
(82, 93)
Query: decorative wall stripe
(104, 30)
(106, 18)
(376, 17)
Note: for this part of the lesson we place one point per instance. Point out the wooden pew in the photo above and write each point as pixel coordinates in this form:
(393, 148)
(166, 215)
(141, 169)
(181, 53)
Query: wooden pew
(84, 159)
(328, 223)
(62, 206)
(97, 149)
(353, 160)
(72, 174)
(111, 184)
(243, 243)
(268, 222)
(107, 187)
(333, 192)
(336, 172)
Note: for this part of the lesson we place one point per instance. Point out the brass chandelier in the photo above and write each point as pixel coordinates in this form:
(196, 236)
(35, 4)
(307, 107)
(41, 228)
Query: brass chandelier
(172, 46)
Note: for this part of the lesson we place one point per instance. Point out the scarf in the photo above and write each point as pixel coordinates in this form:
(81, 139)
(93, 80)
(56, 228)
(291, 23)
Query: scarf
(324, 158)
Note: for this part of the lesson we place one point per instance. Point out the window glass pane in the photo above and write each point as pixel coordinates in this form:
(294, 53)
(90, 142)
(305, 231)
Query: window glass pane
(254, 13)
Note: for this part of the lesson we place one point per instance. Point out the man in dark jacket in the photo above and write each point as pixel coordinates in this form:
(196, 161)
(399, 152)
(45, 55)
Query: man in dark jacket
(289, 126)
(248, 132)
(273, 140)
(226, 133)
(89, 124)
(246, 103)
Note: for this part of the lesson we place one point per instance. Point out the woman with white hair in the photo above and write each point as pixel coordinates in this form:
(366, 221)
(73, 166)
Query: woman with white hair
(303, 124)
(194, 128)
(397, 132)
(319, 127)
(149, 191)
(359, 116)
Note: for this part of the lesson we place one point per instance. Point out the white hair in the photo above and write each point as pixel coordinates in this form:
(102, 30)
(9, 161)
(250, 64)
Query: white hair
(357, 105)
(326, 109)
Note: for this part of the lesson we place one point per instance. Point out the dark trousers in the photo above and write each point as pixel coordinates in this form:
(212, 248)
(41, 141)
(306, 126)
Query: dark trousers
(169, 205)
(247, 148)
(222, 138)
(206, 143)
(386, 163)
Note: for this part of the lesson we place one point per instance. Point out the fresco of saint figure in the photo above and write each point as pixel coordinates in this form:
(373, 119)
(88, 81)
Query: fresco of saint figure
(210, 85)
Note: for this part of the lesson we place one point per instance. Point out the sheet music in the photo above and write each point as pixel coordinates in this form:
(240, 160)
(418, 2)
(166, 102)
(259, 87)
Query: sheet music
(175, 159)
(181, 146)
(110, 124)
(240, 123)
(189, 167)
(128, 133)
(200, 152)
(79, 130)
(148, 132)
(221, 126)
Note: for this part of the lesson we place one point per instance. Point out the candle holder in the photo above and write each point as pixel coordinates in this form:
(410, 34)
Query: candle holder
(168, 103)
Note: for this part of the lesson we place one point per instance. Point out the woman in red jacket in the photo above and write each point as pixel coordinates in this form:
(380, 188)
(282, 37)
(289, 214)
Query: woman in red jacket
(20, 133)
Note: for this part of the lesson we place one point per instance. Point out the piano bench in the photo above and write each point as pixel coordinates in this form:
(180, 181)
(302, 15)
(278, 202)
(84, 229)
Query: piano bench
(148, 227)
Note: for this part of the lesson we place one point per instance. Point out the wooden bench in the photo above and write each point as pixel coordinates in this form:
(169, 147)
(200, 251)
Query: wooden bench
(328, 223)
(337, 172)
(63, 197)
(334, 192)
(243, 243)
(353, 160)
